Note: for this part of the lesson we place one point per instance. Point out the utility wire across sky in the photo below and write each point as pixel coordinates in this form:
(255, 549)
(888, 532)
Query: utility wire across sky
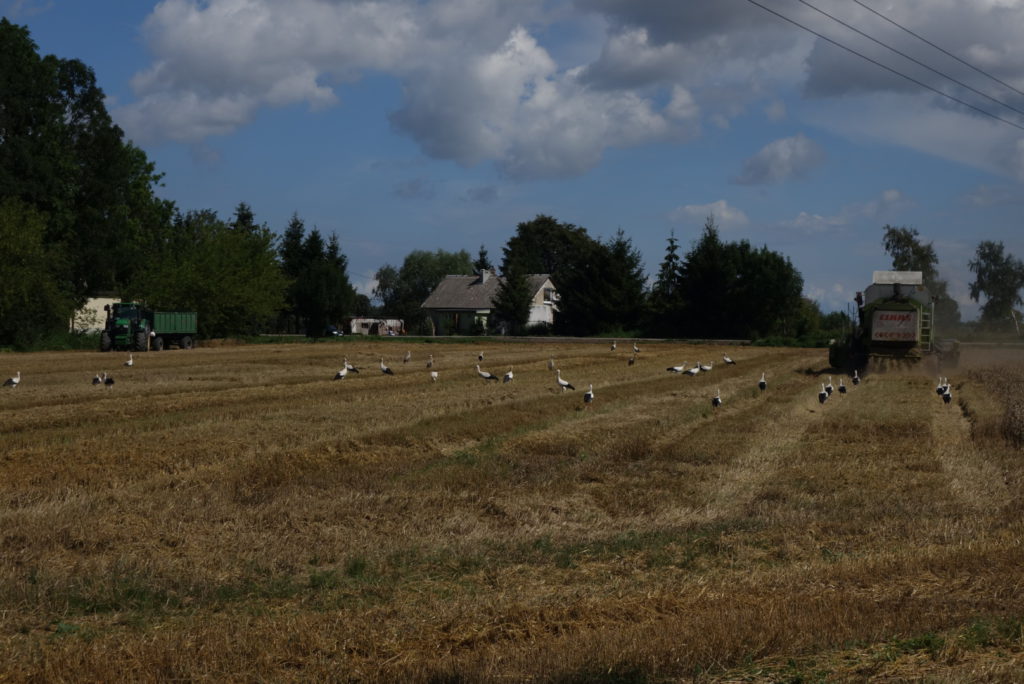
(910, 58)
(940, 48)
(890, 69)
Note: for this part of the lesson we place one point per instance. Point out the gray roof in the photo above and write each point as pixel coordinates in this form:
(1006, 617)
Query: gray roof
(472, 292)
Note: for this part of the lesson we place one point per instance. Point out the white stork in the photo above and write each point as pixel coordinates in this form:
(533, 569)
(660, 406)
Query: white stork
(707, 368)
(828, 387)
(762, 384)
(716, 400)
(108, 381)
(615, 345)
(508, 376)
(551, 363)
(947, 396)
(349, 366)
(856, 378)
(12, 382)
(588, 396)
(480, 356)
(98, 380)
(693, 371)
(407, 358)
(940, 388)
(632, 359)
(130, 362)
(842, 387)
(430, 361)
(485, 375)
(340, 375)
(728, 361)
(433, 376)
(677, 369)
(384, 368)
(564, 384)
(636, 348)
(822, 395)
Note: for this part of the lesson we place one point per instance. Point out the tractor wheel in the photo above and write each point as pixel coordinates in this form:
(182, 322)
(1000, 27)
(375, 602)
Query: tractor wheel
(106, 344)
(186, 342)
(158, 344)
(140, 341)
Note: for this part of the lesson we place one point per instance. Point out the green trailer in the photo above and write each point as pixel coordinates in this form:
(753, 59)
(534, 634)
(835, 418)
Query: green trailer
(132, 327)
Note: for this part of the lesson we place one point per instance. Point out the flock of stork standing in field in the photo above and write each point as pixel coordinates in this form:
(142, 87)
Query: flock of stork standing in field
(827, 389)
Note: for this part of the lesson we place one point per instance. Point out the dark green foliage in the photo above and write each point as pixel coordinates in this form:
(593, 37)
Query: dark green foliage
(402, 291)
(727, 290)
(544, 245)
(999, 277)
(666, 299)
(512, 305)
(600, 284)
(624, 284)
(62, 155)
(482, 261)
(229, 275)
(319, 293)
(78, 203)
(909, 254)
(35, 299)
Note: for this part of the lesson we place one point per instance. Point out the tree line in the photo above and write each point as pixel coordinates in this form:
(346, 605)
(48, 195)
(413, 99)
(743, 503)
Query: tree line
(80, 215)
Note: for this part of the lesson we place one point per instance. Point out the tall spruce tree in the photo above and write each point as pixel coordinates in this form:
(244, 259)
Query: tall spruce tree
(666, 296)
(319, 292)
(511, 310)
(482, 262)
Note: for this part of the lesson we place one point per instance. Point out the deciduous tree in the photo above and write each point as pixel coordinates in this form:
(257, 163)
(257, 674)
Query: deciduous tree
(910, 254)
(35, 300)
(231, 277)
(62, 154)
(999, 277)
(402, 291)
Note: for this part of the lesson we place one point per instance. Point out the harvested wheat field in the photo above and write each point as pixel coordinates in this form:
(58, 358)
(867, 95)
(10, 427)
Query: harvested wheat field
(233, 513)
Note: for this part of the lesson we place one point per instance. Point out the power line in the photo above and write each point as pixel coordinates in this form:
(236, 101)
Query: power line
(888, 68)
(912, 59)
(939, 48)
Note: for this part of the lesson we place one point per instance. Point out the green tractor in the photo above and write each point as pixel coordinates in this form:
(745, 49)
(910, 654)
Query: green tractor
(894, 328)
(131, 327)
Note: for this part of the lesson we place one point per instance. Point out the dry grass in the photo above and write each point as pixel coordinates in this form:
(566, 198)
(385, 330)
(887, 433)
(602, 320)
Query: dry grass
(232, 513)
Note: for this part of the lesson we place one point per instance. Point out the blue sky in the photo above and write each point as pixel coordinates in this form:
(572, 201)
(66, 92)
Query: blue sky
(424, 124)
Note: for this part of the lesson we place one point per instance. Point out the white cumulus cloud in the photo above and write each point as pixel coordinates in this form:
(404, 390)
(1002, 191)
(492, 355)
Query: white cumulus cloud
(888, 204)
(782, 160)
(479, 84)
(726, 216)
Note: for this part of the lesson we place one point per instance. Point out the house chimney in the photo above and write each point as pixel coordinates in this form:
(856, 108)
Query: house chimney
(485, 273)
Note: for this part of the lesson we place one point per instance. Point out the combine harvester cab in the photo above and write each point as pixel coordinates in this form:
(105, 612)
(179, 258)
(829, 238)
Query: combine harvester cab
(895, 327)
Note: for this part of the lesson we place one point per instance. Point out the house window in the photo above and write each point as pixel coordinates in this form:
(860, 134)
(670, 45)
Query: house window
(549, 295)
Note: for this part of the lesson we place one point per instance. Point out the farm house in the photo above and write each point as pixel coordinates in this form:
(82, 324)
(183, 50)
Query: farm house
(461, 304)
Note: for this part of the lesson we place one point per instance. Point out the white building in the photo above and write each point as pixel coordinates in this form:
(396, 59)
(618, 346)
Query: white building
(460, 303)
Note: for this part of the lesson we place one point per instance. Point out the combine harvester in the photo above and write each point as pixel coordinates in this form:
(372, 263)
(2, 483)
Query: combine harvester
(895, 328)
